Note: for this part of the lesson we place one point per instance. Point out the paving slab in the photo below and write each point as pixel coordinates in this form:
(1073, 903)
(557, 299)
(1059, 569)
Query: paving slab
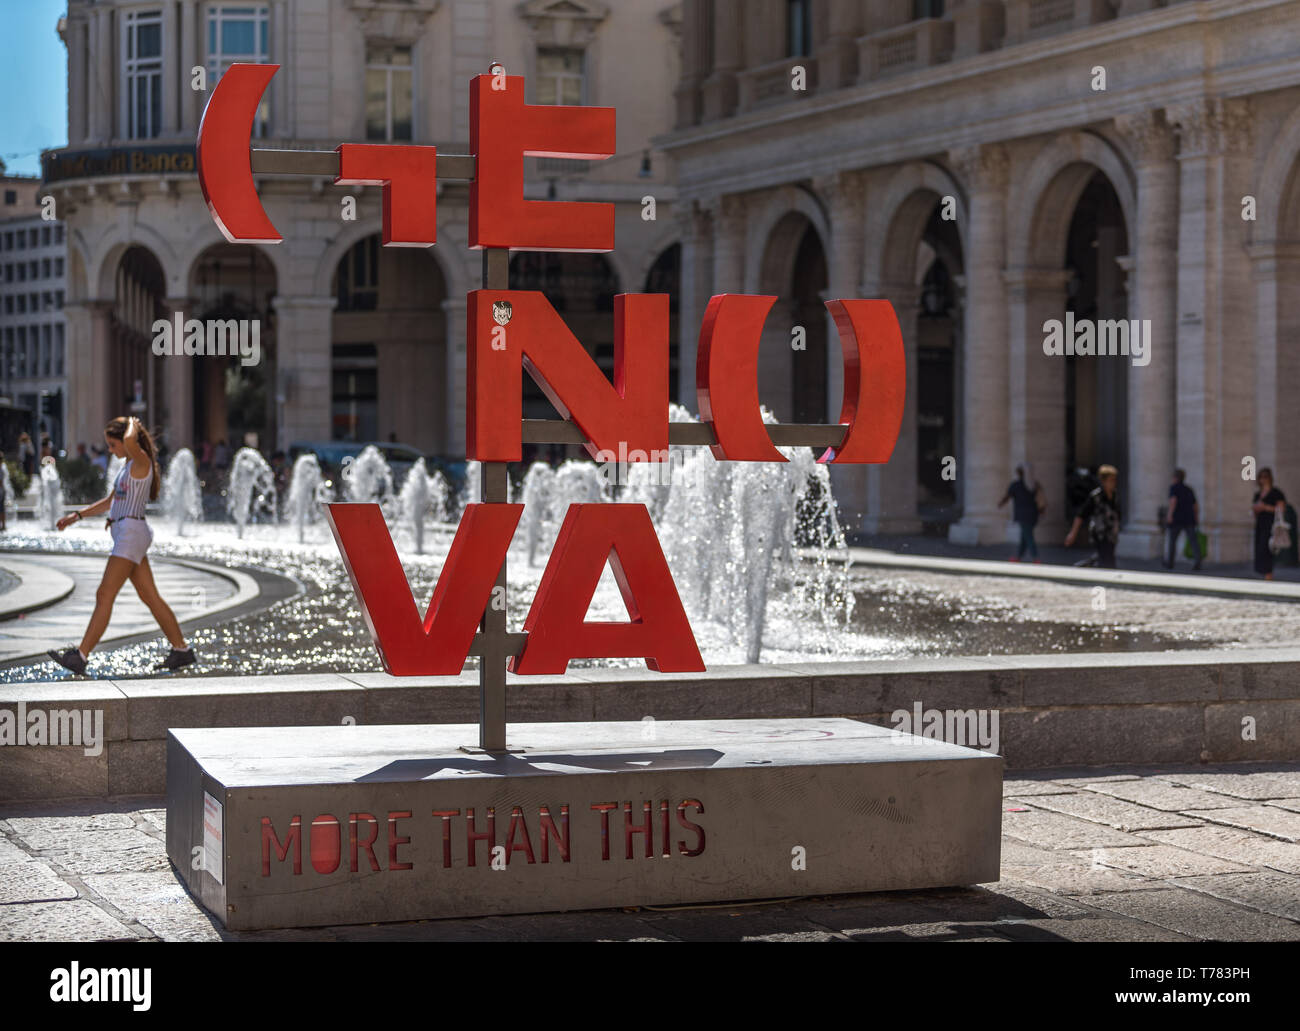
(1113, 812)
(1160, 861)
(1160, 794)
(1264, 819)
(1256, 786)
(1198, 917)
(1234, 845)
(1054, 830)
(75, 921)
(1269, 892)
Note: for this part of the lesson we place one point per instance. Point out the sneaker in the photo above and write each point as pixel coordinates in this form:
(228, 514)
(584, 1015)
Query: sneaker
(176, 659)
(70, 658)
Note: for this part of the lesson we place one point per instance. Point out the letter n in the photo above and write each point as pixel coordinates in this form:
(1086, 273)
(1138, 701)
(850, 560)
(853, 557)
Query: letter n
(658, 630)
(632, 412)
(438, 645)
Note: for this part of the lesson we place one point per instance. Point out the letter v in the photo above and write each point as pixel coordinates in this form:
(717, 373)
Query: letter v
(441, 644)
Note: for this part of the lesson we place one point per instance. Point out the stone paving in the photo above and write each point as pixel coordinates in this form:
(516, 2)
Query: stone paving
(1197, 853)
(191, 593)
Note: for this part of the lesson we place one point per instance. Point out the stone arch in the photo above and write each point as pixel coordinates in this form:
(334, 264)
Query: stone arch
(103, 272)
(898, 221)
(453, 273)
(760, 262)
(1051, 188)
(1277, 195)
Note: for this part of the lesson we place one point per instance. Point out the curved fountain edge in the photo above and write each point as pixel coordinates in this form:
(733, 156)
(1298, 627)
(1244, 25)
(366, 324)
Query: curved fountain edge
(1179, 708)
(40, 586)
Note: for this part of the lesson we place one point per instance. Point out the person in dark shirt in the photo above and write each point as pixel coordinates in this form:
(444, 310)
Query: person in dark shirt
(1024, 498)
(1101, 512)
(1267, 502)
(1182, 517)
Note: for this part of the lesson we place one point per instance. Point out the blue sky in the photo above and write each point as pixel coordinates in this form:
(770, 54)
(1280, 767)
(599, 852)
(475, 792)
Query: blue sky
(33, 83)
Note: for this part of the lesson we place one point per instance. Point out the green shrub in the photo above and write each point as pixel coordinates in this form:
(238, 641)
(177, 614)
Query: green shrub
(83, 481)
(18, 479)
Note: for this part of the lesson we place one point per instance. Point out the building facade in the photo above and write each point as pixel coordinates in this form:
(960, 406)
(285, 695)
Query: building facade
(32, 294)
(993, 168)
(357, 341)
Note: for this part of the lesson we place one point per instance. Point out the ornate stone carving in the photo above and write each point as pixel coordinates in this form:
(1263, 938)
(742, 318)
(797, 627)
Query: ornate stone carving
(390, 19)
(563, 23)
(1147, 135)
(983, 167)
(1213, 125)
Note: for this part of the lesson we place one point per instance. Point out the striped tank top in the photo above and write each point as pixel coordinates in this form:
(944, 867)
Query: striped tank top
(129, 494)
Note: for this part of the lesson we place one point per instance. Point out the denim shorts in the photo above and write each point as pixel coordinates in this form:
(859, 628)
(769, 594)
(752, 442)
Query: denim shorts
(131, 538)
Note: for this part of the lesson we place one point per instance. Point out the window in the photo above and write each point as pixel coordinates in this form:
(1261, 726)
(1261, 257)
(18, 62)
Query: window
(355, 392)
(358, 277)
(9, 305)
(45, 350)
(237, 34)
(58, 299)
(45, 268)
(11, 197)
(390, 91)
(45, 236)
(32, 269)
(9, 241)
(560, 77)
(22, 240)
(47, 301)
(9, 273)
(143, 66)
(927, 9)
(58, 234)
(32, 237)
(22, 304)
(58, 349)
(798, 27)
(22, 272)
(22, 350)
(58, 267)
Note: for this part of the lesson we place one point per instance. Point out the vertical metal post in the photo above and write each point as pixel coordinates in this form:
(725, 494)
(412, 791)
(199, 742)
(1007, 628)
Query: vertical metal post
(493, 489)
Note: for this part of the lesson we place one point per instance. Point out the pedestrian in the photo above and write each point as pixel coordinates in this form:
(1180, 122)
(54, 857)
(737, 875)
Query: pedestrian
(221, 455)
(1025, 495)
(81, 452)
(26, 454)
(1269, 506)
(99, 458)
(47, 447)
(1101, 512)
(1183, 516)
(136, 485)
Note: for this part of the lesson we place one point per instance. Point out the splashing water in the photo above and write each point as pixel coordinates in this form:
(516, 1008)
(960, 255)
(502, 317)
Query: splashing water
(49, 496)
(422, 492)
(369, 478)
(11, 502)
(251, 489)
(307, 491)
(729, 531)
(472, 492)
(181, 499)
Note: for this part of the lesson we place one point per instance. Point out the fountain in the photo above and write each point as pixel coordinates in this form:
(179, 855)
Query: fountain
(115, 466)
(368, 478)
(471, 493)
(251, 488)
(49, 495)
(538, 491)
(421, 492)
(11, 502)
(307, 492)
(181, 498)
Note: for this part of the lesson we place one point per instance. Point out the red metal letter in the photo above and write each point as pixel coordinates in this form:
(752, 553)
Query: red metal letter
(502, 129)
(409, 176)
(658, 632)
(440, 645)
(726, 377)
(875, 380)
(225, 164)
(634, 411)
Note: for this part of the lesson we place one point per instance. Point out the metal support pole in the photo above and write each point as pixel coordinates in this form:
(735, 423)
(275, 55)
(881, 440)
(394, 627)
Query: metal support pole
(494, 485)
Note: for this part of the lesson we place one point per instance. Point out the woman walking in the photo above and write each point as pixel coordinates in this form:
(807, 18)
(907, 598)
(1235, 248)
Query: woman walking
(137, 485)
(1268, 504)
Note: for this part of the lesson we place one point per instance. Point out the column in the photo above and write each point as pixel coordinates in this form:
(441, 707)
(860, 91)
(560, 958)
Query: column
(77, 66)
(845, 195)
(173, 79)
(837, 54)
(90, 401)
(103, 62)
(982, 465)
(1035, 391)
(455, 379)
(1153, 294)
(190, 55)
(892, 488)
(303, 338)
(1215, 372)
(693, 293)
(719, 89)
(694, 39)
(176, 407)
(728, 245)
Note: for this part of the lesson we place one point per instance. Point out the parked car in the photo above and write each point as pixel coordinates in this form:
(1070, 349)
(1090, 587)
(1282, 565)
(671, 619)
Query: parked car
(400, 457)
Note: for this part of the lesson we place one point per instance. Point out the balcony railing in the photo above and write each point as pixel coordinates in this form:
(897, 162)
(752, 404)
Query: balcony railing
(774, 82)
(918, 44)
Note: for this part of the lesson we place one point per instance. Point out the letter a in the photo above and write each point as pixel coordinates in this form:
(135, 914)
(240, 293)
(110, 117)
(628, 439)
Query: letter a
(557, 631)
(439, 645)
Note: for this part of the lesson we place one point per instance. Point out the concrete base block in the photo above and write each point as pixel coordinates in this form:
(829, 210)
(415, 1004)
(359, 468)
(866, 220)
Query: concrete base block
(334, 825)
